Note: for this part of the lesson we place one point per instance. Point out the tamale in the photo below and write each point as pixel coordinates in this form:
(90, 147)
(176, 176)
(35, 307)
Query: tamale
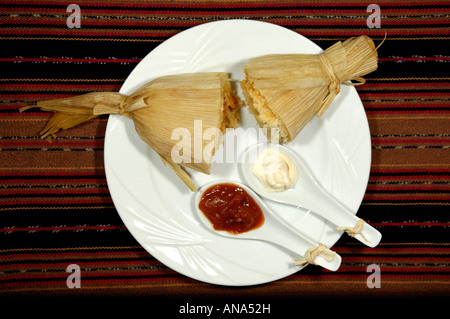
(284, 91)
(157, 109)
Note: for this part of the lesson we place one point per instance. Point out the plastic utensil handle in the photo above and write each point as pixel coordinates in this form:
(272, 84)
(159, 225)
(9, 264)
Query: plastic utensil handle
(328, 207)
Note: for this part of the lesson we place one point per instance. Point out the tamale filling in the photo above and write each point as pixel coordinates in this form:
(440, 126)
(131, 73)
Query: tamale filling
(266, 119)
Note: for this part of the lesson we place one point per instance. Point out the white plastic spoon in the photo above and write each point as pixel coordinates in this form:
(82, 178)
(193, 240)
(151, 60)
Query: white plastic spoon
(274, 230)
(309, 194)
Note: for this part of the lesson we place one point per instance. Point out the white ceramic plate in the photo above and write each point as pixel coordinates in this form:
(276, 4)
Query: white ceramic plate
(157, 207)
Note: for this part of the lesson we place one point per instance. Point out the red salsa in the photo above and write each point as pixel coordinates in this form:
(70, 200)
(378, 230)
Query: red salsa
(230, 208)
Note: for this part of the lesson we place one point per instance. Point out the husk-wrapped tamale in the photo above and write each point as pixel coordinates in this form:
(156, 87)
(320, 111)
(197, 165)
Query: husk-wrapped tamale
(284, 91)
(157, 109)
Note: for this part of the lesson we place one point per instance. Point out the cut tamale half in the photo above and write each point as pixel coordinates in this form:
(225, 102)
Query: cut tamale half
(284, 91)
(168, 113)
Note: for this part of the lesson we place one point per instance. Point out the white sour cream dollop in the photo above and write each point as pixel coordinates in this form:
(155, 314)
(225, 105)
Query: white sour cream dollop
(276, 171)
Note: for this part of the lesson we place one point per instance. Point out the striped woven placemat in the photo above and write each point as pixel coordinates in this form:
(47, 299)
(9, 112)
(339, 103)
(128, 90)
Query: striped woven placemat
(55, 208)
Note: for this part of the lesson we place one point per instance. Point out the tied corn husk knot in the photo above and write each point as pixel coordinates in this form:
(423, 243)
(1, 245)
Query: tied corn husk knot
(157, 109)
(284, 91)
(353, 231)
(311, 255)
(75, 110)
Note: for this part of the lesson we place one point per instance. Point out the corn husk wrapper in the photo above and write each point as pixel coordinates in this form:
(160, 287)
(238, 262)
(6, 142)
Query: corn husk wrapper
(158, 108)
(284, 91)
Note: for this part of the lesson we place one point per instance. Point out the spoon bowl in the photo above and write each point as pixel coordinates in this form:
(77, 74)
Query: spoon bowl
(308, 194)
(274, 230)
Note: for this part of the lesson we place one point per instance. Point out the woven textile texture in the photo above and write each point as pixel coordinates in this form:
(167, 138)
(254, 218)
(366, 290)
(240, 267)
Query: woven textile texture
(55, 207)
